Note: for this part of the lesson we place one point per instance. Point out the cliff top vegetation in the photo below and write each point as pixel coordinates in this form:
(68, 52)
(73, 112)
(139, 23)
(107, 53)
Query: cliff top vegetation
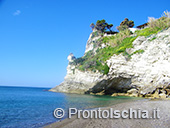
(117, 43)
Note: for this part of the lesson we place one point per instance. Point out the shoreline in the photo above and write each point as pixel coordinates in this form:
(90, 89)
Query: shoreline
(66, 120)
(149, 105)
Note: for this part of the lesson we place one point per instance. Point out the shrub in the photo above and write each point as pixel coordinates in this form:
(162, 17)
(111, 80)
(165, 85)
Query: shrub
(159, 24)
(146, 32)
(106, 69)
(105, 39)
(138, 51)
(152, 39)
(116, 39)
(166, 14)
(125, 24)
(126, 43)
(155, 25)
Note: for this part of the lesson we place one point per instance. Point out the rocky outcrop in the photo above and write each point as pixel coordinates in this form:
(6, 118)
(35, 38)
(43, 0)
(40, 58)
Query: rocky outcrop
(91, 42)
(77, 81)
(71, 57)
(146, 74)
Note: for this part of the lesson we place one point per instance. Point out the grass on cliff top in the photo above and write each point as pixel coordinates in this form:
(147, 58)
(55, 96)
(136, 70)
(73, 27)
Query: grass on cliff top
(117, 39)
(154, 26)
(97, 61)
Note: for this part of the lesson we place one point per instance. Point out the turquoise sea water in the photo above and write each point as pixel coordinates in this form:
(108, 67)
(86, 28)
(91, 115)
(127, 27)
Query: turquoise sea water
(27, 107)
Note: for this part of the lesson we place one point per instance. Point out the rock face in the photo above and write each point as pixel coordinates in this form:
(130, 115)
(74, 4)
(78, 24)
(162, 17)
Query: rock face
(91, 42)
(71, 57)
(77, 81)
(145, 74)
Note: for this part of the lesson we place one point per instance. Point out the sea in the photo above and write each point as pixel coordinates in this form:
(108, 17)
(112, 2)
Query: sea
(31, 107)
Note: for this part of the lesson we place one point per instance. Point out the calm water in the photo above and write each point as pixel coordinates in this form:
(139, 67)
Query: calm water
(23, 107)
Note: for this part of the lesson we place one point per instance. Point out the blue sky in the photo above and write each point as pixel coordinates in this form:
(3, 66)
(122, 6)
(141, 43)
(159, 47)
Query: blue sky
(36, 36)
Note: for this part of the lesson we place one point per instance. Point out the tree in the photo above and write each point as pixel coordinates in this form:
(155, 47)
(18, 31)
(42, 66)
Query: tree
(101, 26)
(109, 26)
(125, 24)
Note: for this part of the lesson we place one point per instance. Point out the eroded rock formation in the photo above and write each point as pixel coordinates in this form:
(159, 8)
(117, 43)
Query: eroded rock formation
(146, 74)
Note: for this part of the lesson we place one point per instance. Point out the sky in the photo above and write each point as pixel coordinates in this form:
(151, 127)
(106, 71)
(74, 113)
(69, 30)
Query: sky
(36, 36)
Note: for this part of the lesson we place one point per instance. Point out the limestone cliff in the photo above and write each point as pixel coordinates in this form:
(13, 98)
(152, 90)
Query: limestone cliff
(145, 74)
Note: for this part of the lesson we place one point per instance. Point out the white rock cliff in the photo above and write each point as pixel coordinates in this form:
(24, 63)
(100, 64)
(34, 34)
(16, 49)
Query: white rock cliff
(144, 74)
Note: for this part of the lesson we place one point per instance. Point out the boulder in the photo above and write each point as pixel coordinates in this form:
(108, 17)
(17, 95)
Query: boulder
(163, 96)
(132, 91)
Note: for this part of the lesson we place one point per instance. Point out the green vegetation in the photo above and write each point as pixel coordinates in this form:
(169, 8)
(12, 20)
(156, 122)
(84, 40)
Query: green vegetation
(93, 62)
(155, 26)
(138, 51)
(152, 39)
(165, 36)
(146, 32)
(116, 44)
(126, 43)
(125, 24)
(97, 61)
(159, 24)
(101, 25)
(95, 34)
(116, 39)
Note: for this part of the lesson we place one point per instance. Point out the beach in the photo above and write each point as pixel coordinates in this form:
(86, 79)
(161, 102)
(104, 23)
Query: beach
(149, 105)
